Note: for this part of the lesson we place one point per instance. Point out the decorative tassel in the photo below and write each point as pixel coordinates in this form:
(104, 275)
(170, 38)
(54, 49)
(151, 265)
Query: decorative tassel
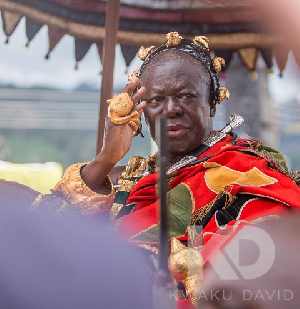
(76, 66)
(254, 75)
(27, 44)
(47, 56)
(7, 40)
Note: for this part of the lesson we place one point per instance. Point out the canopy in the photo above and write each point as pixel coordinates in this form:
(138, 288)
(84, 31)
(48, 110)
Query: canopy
(231, 25)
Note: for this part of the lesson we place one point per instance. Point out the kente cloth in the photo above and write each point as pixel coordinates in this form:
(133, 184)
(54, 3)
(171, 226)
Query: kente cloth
(230, 184)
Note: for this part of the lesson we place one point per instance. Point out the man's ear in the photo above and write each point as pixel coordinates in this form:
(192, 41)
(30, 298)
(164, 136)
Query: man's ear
(212, 110)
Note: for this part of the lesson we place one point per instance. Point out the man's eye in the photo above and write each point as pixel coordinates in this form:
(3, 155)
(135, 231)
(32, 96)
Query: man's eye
(185, 96)
(155, 100)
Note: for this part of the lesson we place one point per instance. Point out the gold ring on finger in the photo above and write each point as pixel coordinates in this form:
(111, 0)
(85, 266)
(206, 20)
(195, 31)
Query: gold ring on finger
(134, 127)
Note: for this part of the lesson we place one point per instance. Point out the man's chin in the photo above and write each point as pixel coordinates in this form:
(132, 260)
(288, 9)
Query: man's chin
(178, 149)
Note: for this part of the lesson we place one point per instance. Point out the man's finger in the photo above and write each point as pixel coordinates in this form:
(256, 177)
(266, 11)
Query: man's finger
(135, 98)
(129, 88)
(139, 107)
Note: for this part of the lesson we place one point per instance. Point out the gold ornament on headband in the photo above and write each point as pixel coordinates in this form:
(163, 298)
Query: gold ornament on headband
(201, 39)
(224, 94)
(173, 39)
(218, 63)
(120, 107)
(143, 52)
(134, 74)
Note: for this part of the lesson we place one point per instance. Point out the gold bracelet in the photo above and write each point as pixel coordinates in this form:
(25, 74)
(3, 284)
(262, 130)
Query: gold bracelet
(78, 194)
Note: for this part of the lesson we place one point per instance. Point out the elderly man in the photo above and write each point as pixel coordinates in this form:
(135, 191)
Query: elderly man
(215, 179)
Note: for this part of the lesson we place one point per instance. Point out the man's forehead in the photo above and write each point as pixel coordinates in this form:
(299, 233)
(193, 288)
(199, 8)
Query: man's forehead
(179, 75)
(176, 62)
(178, 85)
(171, 56)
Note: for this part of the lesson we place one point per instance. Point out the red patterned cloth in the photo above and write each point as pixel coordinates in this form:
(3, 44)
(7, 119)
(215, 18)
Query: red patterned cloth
(262, 192)
(239, 169)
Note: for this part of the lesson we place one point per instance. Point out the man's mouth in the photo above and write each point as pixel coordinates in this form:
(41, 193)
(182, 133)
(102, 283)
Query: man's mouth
(176, 131)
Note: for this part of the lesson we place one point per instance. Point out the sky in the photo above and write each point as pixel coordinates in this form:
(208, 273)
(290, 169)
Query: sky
(26, 67)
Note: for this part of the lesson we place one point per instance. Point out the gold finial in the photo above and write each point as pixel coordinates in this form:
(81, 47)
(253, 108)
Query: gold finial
(183, 261)
(224, 94)
(176, 245)
(186, 264)
(173, 38)
(201, 39)
(192, 286)
(133, 74)
(218, 63)
(143, 52)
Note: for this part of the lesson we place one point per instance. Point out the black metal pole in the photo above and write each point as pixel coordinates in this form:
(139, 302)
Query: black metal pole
(161, 139)
(164, 289)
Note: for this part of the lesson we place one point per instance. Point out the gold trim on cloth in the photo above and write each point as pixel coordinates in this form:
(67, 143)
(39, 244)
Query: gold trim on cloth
(203, 211)
(115, 209)
(135, 165)
(77, 193)
(37, 201)
(153, 249)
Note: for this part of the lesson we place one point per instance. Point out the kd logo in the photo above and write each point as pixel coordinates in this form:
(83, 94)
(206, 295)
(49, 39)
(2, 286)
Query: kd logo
(231, 255)
(227, 263)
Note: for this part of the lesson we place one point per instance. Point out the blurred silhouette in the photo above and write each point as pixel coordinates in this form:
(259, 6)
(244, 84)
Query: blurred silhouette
(50, 261)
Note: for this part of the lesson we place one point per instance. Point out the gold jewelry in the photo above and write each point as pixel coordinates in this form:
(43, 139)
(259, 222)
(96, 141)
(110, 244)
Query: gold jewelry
(143, 52)
(218, 63)
(224, 94)
(77, 193)
(186, 264)
(135, 73)
(173, 38)
(134, 127)
(132, 168)
(201, 39)
(120, 107)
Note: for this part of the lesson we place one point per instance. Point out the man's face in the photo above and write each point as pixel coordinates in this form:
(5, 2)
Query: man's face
(178, 87)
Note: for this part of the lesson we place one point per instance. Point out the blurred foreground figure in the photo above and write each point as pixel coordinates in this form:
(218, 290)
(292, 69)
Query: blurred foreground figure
(62, 262)
(266, 269)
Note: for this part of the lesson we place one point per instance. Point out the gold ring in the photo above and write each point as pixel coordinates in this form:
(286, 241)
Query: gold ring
(134, 126)
(120, 107)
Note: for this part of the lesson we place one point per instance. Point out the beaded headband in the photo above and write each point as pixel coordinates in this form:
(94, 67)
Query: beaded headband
(197, 48)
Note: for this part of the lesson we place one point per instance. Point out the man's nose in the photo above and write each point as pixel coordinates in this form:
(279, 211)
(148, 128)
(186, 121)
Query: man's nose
(172, 107)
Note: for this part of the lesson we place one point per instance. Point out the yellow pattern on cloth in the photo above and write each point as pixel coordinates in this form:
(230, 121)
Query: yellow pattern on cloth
(218, 177)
